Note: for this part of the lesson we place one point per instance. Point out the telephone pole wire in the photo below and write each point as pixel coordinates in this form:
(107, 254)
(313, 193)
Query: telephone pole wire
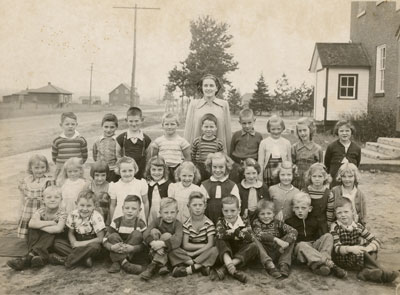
(133, 99)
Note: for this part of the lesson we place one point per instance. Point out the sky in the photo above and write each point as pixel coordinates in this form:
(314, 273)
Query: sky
(57, 40)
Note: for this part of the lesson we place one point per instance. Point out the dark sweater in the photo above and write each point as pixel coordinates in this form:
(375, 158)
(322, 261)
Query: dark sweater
(307, 229)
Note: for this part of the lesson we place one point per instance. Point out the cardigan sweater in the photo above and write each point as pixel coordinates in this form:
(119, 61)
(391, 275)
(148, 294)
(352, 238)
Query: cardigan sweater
(335, 153)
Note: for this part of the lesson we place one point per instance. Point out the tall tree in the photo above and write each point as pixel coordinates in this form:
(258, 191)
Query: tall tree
(234, 100)
(261, 99)
(283, 94)
(208, 54)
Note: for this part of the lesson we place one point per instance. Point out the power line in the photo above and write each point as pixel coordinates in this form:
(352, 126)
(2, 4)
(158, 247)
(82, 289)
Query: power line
(133, 100)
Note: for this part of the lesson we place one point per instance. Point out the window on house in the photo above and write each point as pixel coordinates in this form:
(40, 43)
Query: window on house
(348, 86)
(380, 69)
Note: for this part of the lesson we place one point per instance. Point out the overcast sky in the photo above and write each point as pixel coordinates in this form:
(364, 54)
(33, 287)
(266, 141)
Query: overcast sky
(57, 40)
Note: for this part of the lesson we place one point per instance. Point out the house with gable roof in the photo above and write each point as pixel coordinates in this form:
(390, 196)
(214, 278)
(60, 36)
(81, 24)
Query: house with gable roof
(120, 95)
(341, 80)
(364, 74)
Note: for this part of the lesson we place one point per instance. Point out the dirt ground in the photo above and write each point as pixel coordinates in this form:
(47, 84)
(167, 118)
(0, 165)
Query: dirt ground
(381, 190)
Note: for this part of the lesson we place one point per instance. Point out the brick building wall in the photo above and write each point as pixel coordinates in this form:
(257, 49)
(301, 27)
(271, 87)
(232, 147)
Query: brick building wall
(374, 25)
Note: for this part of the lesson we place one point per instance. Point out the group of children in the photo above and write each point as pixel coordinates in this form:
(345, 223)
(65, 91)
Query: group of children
(192, 208)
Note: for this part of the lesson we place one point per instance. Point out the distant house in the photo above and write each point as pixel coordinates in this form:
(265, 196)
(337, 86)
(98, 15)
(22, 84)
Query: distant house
(87, 100)
(15, 97)
(363, 75)
(49, 94)
(376, 25)
(341, 80)
(121, 95)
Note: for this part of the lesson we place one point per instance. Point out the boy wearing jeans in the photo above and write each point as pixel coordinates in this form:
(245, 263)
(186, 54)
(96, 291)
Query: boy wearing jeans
(125, 237)
(234, 241)
(311, 248)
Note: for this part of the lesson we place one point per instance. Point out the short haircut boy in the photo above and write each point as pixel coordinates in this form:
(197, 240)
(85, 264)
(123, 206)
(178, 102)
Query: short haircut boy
(133, 198)
(170, 116)
(134, 111)
(88, 195)
(341, 123)
(70, 115)
(196, 195)
(265, 204)
(99, 167)
(301, 197)
(343, 202)
(109, 118)
(52, 189)
(209, 117)
(246, 113)
(275, 119)
(167, 202)
(230, 200)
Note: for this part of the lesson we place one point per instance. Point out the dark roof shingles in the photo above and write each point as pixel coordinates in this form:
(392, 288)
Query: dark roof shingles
(342, 54)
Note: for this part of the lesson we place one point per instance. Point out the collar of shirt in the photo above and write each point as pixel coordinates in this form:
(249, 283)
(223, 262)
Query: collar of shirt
(252, 132)
(203, 102)
(301, 145)
(138, 135)
(213, 179)
(160, 182)
(350, 227)
(76, 134)
(206, 139)
(104, 137)
(238, 223)
(350, 195)
(286, 190)
(207, 222)
(258, 184)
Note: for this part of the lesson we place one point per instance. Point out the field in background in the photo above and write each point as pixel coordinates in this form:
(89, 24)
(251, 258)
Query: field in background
(12, 110)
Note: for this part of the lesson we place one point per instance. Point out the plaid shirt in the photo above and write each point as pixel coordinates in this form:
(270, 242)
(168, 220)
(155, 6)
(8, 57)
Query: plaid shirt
(355, 235)
(266, 233)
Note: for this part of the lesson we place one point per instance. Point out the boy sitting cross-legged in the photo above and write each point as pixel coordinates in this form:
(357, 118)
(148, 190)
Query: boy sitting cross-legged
(234, 241)
(277, 240)
(125, 236)
(45, 224)
(164, 237)
(312, 248)
(198, 240)
(355, 247)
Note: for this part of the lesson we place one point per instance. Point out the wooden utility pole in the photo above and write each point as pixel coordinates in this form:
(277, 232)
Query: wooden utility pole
(133, 100)
(90, 90)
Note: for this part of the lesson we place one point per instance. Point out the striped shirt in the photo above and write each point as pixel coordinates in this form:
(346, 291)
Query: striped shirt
(199, 236)
(64, 148)
(105, 149)
(124, 227)
(171, 149)
(201, 147)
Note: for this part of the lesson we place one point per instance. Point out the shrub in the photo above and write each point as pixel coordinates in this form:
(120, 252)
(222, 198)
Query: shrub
(376, 123)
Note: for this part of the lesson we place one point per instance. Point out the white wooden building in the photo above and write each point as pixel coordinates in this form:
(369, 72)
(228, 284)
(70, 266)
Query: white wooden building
(341, 80)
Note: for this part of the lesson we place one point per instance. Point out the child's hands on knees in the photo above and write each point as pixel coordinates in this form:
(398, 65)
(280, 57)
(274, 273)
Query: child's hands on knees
(231, 268)
(117, 248)
(157, 245)
(281, 243)
(356, 249)
(160, 251)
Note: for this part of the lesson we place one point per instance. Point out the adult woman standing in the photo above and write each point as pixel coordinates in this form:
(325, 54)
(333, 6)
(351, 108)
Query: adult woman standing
(209, 86)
